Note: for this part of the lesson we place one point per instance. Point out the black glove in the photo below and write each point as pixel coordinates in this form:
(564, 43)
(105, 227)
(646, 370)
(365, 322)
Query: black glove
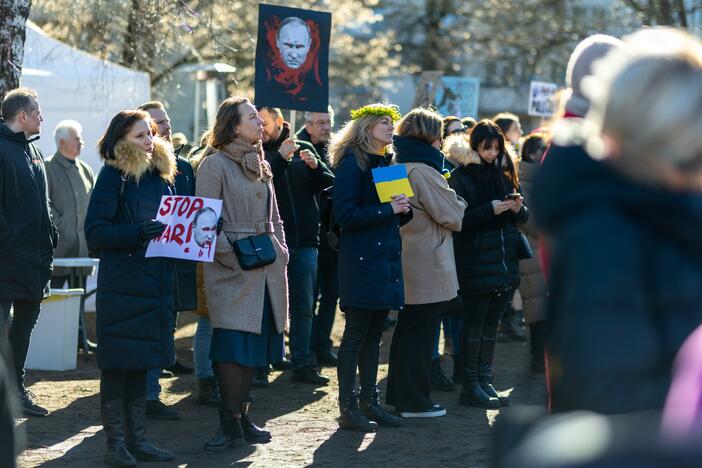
(220, 223)
(151, 229)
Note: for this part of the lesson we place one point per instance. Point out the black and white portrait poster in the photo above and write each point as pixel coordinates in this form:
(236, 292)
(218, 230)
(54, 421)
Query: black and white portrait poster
(292, 58)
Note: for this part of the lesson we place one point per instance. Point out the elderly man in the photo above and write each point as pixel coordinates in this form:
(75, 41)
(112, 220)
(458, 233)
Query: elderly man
(294, 40)
(27, 234)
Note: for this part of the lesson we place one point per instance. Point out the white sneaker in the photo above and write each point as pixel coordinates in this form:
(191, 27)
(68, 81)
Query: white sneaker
(435, 412)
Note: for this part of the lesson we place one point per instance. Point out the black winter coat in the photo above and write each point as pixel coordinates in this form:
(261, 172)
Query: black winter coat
(28, 236)
(487, 247)
(297, 187)
(135, 295)
(186, 287)
(624, 285)
(370, 250)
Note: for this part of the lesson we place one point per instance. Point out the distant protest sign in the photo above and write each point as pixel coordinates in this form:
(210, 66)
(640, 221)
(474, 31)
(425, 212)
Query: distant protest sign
(292, 58)
(458, 95)
(541, 96)
(191, 228)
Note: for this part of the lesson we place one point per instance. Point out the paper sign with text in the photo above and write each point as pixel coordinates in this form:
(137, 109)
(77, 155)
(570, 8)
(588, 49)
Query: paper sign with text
(392, 180)
(191, 228)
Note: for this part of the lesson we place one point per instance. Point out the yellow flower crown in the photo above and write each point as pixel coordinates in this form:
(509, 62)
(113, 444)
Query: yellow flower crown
(376, 110)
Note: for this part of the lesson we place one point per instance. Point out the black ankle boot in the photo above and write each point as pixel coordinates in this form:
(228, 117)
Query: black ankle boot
(485, 356)
(252, 433)
(371, 408)
(208, 392)
(229, 434)
(112, 414)
(472, 394)
(142, 449)
(439, 380)
(351, 417)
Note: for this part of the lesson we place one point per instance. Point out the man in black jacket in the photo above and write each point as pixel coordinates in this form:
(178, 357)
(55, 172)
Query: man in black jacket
(317, 132)
(298, 177)
(186, 295)
(28, 236)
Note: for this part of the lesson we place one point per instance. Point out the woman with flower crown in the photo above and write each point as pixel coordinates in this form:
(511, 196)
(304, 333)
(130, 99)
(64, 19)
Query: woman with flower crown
(370, 259)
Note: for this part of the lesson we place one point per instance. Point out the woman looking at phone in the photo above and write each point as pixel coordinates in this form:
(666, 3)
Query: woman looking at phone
(487, 249)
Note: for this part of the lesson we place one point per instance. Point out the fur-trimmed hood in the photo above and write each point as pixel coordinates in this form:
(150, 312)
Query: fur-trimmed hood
(134, 162)
(457, 149)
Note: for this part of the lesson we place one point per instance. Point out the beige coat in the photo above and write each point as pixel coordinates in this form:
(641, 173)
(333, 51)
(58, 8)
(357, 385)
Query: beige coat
(428, 265)
(533, 285)
(70, 186)
(235, 296)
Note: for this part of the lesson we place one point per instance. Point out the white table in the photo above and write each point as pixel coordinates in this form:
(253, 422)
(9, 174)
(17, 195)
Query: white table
(78, 267)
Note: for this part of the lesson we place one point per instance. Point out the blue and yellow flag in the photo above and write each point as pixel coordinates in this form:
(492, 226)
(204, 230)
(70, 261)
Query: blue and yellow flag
(392, 180)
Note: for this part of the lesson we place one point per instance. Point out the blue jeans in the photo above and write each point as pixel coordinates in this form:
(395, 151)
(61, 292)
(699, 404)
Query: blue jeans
(153, 388)
(201, 349)
(302, 275)
(328, 293)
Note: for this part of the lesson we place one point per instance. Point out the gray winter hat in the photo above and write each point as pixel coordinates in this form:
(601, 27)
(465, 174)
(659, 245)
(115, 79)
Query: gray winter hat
(580, 65)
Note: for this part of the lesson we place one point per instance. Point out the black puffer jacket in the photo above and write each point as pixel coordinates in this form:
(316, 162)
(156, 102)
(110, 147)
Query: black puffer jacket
(27, 234)
(296, 188)
(487, 247)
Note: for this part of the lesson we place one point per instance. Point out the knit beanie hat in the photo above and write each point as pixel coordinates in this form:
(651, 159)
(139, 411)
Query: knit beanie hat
(580, 65)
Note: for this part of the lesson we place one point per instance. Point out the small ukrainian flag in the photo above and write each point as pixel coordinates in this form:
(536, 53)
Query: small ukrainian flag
(392, 180)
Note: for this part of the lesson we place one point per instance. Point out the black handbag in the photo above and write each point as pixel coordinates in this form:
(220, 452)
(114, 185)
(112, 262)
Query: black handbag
(256, 251)
(524, 249)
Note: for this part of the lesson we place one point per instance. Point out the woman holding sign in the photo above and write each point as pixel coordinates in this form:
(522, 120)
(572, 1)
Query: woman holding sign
(487, 249)
(370, 268)
(135, 295)
(246, 286)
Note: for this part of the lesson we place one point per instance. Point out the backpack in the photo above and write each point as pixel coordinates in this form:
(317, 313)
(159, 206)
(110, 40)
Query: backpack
(329, 227)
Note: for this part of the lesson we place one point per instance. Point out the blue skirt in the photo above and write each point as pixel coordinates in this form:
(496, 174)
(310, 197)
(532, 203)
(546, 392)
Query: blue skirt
(250, 349)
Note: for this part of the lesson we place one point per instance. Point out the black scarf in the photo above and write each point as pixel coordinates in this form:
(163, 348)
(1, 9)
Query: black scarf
(408, 149)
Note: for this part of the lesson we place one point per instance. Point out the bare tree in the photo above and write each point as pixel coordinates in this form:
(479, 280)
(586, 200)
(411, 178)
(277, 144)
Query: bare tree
(664, 12)
(13, 19)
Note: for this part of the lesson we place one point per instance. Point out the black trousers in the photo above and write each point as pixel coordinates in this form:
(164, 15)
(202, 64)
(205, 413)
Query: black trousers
(327, 292)
(409, 374)
(120, 384)
(360, 348)
(26, 313)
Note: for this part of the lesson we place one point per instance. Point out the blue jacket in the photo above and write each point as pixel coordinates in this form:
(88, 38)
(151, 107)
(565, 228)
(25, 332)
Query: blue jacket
(624, 283)
(135, 295)
(370, 250)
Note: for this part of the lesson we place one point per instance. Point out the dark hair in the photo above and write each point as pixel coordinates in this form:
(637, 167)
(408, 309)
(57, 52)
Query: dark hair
(228, 118)
(505, 120)
(448, 120)
(16, 101)
(119, 126)
(151, 105)
(484, 134)
(468, 122)
(274, 111)
(533, 147)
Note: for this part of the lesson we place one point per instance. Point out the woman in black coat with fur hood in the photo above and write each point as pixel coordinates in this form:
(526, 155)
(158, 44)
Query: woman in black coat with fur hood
(487, 249)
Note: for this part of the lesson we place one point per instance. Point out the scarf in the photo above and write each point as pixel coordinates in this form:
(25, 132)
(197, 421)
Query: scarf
(250, 158)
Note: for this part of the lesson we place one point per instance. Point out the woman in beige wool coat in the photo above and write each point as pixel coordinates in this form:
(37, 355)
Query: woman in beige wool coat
(248, 308)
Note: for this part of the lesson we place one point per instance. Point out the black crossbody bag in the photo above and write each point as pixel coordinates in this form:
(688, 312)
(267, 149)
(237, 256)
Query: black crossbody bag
(256, 251)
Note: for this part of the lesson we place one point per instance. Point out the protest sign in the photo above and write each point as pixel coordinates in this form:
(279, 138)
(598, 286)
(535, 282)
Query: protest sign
(392, 180)
(292, 58)
(541, 98)
(191, 228)
(429, 82)
(458, 95)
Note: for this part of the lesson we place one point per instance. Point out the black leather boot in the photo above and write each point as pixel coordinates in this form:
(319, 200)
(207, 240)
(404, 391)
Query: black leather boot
(112, 415)
(208, 392)
(485, 356)
(472, 393)
(439, 380)
(351, 417)
(252, 433)
(142, 449)
(229, 434)
(371, 408)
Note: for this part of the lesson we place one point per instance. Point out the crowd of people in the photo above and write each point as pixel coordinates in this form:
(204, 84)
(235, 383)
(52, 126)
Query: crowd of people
(613, 184)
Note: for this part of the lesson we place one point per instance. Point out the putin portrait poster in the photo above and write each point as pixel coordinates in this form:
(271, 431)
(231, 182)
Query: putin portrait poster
(292, 58)
(191, 228)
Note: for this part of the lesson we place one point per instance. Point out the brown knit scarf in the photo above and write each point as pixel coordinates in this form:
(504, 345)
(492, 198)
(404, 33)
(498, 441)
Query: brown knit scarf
(250, 158)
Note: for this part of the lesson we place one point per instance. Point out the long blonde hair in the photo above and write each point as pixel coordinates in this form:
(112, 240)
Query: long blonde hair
(356, 137)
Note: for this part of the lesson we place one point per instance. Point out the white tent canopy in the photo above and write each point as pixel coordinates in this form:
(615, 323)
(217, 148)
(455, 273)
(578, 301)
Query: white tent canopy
(75, 85)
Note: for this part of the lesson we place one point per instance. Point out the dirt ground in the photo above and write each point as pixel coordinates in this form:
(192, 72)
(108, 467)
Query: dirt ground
(302, 419)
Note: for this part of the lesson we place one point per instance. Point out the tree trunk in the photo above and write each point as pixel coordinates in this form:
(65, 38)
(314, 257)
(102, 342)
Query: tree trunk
(13, 21)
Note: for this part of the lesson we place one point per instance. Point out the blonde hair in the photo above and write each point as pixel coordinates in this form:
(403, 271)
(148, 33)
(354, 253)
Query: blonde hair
(646, 98)
(421, 123)
(356, 137)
